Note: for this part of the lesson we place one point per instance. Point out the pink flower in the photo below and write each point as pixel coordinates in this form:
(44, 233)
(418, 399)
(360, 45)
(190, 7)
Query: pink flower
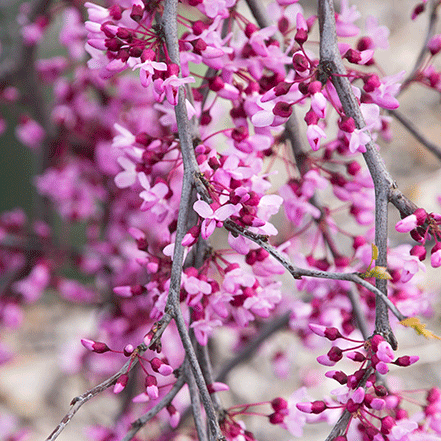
(385, 352)
(170, 87)
(384, 95)
(30, 133)
(213, 218)
(125, 138)
(296, 419)
(204, 328)
(147, 70)
(154, 197)
(345, 20)
(407, 224)
(314, 134)
(127, 177)
(33, 285)
(435, 258)
(378, 34)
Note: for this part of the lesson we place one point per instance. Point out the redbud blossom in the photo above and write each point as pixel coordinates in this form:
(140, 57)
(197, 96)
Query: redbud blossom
(161, 367)
(435, 258)
(434, 44)
(121, 383)
(217, 387)
(334, 355)
(418, 251)
(315, 407)
(339, 376)
(406, 360)
(174, 416)
(330, 333)
(276, 418)
(95, 346)
(128, 350)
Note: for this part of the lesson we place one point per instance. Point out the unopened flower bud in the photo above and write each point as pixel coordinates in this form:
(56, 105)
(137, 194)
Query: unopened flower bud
(387, 423)
(128, 350)
(339, 376)
(174, 416)
(95, 346)
(217, 387)
(276, 418)
(406, 360)
(433, 395)
(315, 407)
(120, 383)
(279, 403)
(161, 367)
(418, 251)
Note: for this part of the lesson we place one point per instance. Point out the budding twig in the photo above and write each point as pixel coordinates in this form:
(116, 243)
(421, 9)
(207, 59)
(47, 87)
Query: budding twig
(298, 273)
(77, 402)
(332, 65)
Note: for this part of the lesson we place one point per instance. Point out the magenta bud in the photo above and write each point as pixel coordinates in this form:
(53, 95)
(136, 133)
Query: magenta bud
(387, 423)
(174, 416)
(279, 403)
(406, 360)
(276, 418)
(282, 109)
(347, 124)
(95, 346)
(433, 395)
(301, 36)
(128, 350)
(217, 387)
(421, 215)
(356, 356)
(161, 367)
(300, 62)
(351, 406)
(339, 376)
(315, 407)
(121, 383)
(418, 251)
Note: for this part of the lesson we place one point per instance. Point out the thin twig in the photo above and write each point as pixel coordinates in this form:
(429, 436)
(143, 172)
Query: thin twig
(340, 426)
(190, 171)
(195, 403)
(251, 347)
(430, 32)
(385, 187)
(77, 402)
(298, 273)
(411, 128)
(293, 134)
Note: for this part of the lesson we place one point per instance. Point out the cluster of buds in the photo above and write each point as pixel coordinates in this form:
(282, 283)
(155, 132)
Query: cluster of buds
(361, 395)
(157, 366)
(423, 226)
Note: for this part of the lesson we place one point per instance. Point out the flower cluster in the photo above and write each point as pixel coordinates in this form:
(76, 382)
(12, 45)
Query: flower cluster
(362, 394)
(423, 227)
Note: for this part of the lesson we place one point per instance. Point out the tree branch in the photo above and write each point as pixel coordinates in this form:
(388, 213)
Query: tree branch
(77, 402)
(434, 4)
(169, 21)
(269, 329)
(298, 273)
(411, 128)
(195, 403)
(385, 187)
